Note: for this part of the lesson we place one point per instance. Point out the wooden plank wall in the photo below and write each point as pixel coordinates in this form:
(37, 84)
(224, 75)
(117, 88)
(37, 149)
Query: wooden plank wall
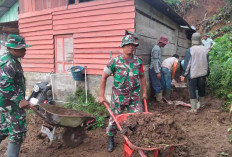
(97, 28)
(46, 4)
(26, 6)
(37, 30)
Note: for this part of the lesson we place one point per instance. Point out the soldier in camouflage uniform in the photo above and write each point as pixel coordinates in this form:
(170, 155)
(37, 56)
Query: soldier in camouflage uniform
(128, 73)
(12, 93)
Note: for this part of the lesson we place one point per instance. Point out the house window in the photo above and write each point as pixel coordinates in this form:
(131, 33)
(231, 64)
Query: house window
(81, 1)
(71, 1)
(63, 53)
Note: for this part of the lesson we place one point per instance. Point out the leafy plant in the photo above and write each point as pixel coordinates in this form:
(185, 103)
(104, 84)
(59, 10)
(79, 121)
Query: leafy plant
(230, 138)
(230, 2)
(30, 112)
(224, 17)
(220, 79)
(223, 154)
(215, 17)
(77, 102)
(230, 130)
(172, 2)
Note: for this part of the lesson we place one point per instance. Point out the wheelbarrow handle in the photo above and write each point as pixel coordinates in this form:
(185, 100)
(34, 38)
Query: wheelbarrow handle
(113, 116)
(37, 112)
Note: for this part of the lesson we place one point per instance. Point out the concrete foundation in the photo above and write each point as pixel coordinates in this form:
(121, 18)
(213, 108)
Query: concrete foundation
(64, 85)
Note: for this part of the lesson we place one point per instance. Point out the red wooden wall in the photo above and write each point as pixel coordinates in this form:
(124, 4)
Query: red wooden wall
(97, 28)
(35, 5)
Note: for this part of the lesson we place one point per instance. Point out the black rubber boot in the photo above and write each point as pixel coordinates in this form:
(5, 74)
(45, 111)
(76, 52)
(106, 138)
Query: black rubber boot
(110, 146)
(13, 149)
(2, 138)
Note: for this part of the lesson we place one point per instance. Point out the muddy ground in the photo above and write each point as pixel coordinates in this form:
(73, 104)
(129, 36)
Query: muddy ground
(206, 131)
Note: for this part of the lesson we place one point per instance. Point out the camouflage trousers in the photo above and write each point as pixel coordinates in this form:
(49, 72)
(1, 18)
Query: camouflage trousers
(13, 124)
(121, 100)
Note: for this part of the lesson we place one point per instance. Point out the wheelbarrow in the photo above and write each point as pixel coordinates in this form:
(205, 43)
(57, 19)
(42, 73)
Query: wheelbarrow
(129, 147)
(73, 121)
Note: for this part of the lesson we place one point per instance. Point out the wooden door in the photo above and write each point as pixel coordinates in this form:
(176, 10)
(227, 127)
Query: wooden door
(63, 53)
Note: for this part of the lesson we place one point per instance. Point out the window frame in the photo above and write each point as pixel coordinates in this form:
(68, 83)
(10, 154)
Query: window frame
(86, 1)
(72, 3)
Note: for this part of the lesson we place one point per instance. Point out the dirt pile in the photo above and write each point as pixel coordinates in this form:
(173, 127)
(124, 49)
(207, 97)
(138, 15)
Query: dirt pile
(153, 130)
(207, 134)
(204, 10)
(180, 94)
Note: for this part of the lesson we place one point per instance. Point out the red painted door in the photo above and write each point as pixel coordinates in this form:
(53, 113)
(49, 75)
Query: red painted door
(63, 53)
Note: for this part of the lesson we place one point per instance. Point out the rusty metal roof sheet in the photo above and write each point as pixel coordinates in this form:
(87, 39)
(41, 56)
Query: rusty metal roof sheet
(6, 5)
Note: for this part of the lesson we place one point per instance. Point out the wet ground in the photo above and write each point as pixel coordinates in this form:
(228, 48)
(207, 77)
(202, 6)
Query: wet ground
(206, 131)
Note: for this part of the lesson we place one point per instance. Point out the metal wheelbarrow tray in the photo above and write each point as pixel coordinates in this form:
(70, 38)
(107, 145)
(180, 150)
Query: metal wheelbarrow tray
(60, 116)
(56, 116)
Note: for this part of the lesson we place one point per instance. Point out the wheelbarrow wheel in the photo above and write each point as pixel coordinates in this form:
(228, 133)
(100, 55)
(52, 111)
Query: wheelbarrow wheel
(72, 137)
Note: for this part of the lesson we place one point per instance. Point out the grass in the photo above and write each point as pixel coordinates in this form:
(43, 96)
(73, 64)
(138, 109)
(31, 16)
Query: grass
(77, 102)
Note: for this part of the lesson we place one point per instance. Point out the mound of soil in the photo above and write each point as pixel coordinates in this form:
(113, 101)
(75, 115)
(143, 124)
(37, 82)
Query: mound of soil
(153, 130)
(180, 94)
(204, 10)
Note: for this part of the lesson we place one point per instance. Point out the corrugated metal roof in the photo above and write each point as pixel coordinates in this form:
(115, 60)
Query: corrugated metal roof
(6, 5)
(11, 15)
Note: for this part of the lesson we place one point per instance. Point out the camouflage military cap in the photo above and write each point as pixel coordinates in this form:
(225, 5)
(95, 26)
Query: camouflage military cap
(128, 39)
(15, 42)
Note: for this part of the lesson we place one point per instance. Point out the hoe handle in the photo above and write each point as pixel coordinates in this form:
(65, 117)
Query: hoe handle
(145, 105)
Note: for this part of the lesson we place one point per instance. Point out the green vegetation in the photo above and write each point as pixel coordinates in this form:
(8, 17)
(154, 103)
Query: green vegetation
(223, 16)
(220, 79)
(230, 131)
(223, 154)
(30, 112)
(230, 2)
(220, 31)
(77, 102)
(172, 2)
(183, 2)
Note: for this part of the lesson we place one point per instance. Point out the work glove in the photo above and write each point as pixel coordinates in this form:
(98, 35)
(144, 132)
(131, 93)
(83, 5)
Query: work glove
(24, 104)
(173, 82)
(182, 78)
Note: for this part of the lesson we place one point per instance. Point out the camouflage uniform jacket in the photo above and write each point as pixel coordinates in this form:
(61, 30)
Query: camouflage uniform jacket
(127, 73)
(12, 83)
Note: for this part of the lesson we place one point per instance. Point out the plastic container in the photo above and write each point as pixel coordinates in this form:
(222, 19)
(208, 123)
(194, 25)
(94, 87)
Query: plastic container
(77, 73)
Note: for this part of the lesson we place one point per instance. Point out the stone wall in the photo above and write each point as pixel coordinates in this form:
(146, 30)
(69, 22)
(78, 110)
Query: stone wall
(150, 25)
